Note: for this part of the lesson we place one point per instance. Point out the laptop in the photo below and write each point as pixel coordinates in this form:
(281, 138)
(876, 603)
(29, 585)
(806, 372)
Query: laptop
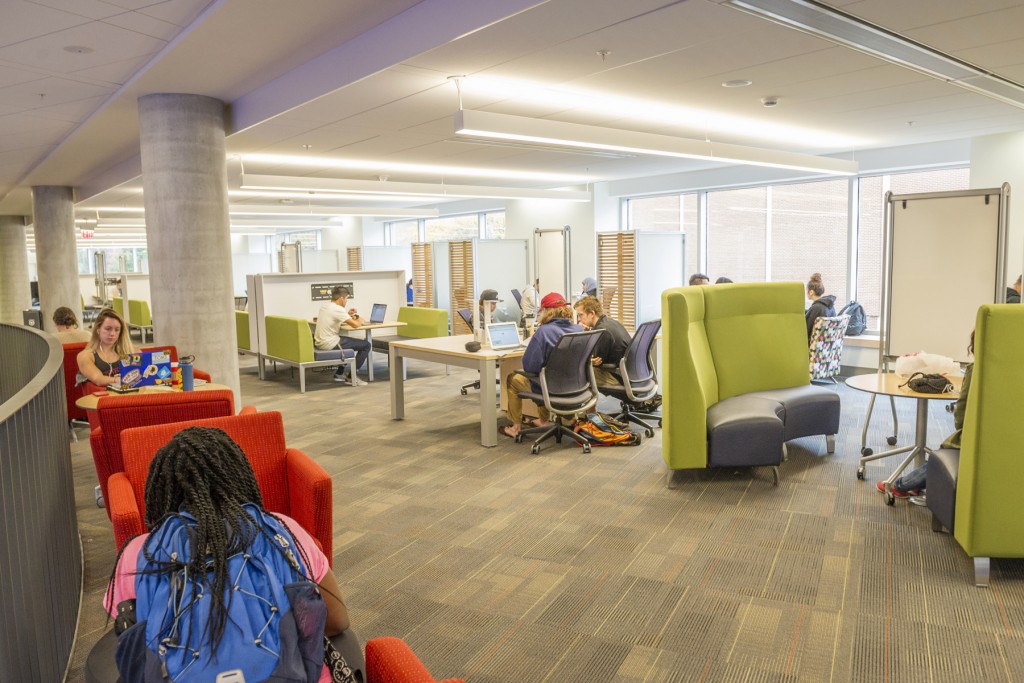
(503, 336)
(377, 313)
(146, 368)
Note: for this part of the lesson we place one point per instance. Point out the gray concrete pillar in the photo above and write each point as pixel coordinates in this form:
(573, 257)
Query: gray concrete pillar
(53, 220)
(184, 179)
(15, 294)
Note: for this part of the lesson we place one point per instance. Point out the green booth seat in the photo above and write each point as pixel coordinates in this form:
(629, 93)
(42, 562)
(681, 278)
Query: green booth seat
(735, 384)
(290, 342)
(975, 491)
(242, 334)
(420, 323)
(139, 317)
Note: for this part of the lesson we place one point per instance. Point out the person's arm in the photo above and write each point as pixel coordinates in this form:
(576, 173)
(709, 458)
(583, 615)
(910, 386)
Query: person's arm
(354, 321)
(87, 366)
(337, 612)
(960, 408)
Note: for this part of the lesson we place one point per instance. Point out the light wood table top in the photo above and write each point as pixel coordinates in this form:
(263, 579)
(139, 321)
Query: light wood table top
(90, 401)
(888, 384)
(456, 347)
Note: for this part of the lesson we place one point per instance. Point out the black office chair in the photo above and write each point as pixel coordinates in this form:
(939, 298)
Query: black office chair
(567, 387)
(518, 296)
(639, 379)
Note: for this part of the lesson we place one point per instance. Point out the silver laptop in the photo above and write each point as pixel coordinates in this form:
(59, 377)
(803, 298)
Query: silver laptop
(377, 313)
(503, 336)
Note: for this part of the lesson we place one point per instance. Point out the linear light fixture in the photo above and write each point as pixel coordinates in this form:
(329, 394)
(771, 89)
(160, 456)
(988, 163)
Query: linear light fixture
(442, 190)
(327, 211)
(845, 29)
(490, 126)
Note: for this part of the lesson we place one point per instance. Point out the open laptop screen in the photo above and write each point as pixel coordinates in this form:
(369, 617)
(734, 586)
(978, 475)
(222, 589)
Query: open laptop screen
(503, 335)
(377, 314)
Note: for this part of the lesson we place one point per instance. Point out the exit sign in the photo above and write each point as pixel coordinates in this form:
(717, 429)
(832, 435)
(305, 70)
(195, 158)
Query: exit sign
(86, 234)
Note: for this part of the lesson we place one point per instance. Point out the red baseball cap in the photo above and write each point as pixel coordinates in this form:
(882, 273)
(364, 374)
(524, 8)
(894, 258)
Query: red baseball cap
(552, 300)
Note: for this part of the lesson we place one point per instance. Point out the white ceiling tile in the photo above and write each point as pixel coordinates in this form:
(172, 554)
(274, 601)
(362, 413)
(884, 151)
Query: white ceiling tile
(24, 21)
(973, 31)
(31, 139)
(90, 9)
(53, 90)
(146, 25)
(11, 75)
(109, 44)
(902, 16)
(117, 73)
(178, 12)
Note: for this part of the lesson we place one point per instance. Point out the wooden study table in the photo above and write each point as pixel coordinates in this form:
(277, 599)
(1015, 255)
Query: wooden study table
(888, 384)
(90, 401)
(451, 351)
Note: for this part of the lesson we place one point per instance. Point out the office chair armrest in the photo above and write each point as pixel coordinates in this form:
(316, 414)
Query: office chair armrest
(124, 513)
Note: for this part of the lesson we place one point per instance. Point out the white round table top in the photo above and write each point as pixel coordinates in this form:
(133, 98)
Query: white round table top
(888, 384)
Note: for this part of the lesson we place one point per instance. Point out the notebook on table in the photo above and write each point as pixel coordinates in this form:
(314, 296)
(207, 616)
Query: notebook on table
(503, 336)
(377, 313)
(146, 368)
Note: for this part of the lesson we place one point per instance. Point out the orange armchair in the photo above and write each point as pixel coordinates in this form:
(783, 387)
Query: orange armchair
(71, 392)
(114, 414)
(390, 660)
(290, 481)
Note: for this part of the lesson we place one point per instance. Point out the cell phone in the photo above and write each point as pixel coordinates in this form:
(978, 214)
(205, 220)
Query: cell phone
(233, 676)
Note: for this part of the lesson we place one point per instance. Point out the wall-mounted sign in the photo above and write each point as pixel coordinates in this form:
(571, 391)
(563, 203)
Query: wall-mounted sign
(322, 291)
(85, 234)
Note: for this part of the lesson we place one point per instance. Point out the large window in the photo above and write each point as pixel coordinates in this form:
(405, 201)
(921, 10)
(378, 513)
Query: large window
(310, 239)
(809, 224)
(494, 225)
(669, 213)
(737, 232)
(115, 260)
(403, 232)
(452, 228)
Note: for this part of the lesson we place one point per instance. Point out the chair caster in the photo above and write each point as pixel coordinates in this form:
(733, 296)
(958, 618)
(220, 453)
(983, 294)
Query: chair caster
(535, 450)
(519, 438)
(463, 392)
(659, 424)
(889, 498)
(891, 440)
(586, 448)
(649, 433)
(866, 451)
(860, 473)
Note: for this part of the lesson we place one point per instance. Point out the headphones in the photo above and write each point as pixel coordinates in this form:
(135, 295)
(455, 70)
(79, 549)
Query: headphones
(472, 346)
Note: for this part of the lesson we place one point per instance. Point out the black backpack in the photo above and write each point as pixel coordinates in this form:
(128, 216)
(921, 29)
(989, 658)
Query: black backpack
(858, 319)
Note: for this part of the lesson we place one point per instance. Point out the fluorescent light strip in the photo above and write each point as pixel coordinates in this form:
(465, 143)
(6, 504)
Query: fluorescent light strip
(302, 196)
(327, 212)
(487, 125)
(845, 29)
(400, 188)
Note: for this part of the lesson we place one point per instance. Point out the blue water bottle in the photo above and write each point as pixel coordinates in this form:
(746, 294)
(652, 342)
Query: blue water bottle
(187, 376)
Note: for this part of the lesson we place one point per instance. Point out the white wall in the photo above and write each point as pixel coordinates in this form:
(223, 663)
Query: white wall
(523, 216)
(998, 159)
(347, 233)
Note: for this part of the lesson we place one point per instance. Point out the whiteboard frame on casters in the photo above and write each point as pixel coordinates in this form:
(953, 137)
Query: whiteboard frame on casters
(660, 265)
(557, 251)
(924, 262)
(497, 258)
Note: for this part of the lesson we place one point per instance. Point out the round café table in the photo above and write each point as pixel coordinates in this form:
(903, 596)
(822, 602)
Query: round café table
(90, 401)
(889, 384)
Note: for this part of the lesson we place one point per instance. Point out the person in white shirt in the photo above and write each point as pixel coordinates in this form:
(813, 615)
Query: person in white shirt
(529, 299)
(332, 318)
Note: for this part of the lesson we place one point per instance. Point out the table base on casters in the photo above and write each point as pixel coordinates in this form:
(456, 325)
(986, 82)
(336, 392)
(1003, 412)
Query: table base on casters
(917, 452)
(891, 440)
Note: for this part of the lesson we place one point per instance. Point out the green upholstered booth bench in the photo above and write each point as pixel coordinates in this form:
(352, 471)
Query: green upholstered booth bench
(139, 317)
(735, 381)
(420, 323)
(290, 342)
(975, 491)
(242, 334)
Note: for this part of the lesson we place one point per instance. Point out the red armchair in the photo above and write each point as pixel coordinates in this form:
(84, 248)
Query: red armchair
(291, 482)
(196, 373)
(71, 392)
(114, 414)
(389, 660)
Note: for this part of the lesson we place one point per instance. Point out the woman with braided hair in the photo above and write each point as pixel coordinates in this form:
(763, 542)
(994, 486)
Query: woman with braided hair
(201, 482)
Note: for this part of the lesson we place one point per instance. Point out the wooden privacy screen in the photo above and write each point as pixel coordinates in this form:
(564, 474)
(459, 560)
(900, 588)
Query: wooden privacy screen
(355, 258)
(616, 268)
(460, 265)
(422, 275)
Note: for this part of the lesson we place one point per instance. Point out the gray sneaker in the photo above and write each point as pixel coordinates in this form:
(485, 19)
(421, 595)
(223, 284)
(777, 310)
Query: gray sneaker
(919, 500)
(354, 381)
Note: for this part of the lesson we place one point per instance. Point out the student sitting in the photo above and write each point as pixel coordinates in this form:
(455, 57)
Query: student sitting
(329, 322)
(100, 361)
(822, 306)
(611, 345)
(67, 327)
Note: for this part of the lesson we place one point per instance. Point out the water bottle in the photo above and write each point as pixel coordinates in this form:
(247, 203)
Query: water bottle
(187, 376)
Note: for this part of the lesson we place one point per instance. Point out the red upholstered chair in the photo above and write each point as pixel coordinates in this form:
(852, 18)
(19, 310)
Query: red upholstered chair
(114, 414)
(291, 482)
(196, 373)
(389, 660)
(71, 392)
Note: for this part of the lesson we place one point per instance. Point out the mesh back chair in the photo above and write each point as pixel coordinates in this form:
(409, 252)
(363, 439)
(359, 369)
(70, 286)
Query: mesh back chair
(567, 387)
(639, 379)
(826, 347)
(518, 296)
(467, 317)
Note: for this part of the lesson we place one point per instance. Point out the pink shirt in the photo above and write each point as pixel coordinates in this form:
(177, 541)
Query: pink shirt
(124, 578)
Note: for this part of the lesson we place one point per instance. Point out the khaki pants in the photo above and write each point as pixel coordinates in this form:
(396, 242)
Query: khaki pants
(515, 383)
(605, 378)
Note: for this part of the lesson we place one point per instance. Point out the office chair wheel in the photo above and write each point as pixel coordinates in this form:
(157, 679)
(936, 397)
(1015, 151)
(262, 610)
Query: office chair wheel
(463, 391)
(659, 424)
(860, 473)
(889, 498)
(519, 438)
(535, 450)
(866, 451)
(586, 448)
(649, 433)
(891, 440)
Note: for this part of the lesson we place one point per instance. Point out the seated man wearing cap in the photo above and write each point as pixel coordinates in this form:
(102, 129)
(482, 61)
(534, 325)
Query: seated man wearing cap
(329, 322)
(488, 303)
(554, 321)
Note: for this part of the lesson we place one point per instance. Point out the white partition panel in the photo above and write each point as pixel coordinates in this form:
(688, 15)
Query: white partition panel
(388, 258)
(442, 276)
(322, 261)
(243, 265)
(503, 265)
(291, 294)
(551, 251)
(660, 265)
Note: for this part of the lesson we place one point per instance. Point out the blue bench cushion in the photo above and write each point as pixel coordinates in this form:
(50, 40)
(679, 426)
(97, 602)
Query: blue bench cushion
(333, 354)
(745, 431)
(808, 410)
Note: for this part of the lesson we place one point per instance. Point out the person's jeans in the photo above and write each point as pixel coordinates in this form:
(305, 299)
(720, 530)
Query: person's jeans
(912, 480)
(360, 346)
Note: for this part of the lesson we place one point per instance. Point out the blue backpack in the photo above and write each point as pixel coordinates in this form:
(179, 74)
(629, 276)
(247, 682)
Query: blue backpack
(858, 318)
(275, 622)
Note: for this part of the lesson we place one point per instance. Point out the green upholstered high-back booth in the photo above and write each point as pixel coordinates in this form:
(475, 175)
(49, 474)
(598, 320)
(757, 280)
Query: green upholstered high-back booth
(138, 313)
(118, 304)
(289, 338)
(989, 519)
(422, 323)
(242, 330)
(722, 341)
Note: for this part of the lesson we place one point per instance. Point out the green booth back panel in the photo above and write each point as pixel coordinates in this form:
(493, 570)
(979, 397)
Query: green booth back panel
(242, 330)
(118, 305)
(757, 335)
(423, 322)
(989, 515)
(138, 311)
(289, 338)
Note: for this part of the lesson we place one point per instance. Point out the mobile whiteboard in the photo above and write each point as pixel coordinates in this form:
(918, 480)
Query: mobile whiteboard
(551, 252)
(946, 256)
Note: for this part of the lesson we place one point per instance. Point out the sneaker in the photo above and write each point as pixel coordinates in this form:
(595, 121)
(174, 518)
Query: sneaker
(896, 492)
(353, 381)
(919, 500)
(340, 378)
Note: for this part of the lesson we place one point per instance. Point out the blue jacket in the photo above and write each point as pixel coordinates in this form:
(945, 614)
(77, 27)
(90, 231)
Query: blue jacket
(543, 340)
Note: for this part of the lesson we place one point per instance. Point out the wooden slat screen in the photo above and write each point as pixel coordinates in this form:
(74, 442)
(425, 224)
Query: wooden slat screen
(422, 275)
(355, 258)
(616, 269)
(460, 263)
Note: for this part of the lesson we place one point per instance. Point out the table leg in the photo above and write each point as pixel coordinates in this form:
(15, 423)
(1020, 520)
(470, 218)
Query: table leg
(369, 359)
(917, 453)
(488, 411)
(397, 362)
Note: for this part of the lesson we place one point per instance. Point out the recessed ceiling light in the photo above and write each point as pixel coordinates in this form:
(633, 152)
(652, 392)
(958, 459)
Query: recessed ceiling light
(738, 83)
(78, 49)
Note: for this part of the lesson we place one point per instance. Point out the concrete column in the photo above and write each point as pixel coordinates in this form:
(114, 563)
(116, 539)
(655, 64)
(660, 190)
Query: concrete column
(15, 294)
(184, 176)
(53, 219)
